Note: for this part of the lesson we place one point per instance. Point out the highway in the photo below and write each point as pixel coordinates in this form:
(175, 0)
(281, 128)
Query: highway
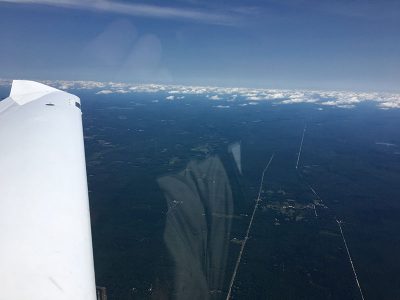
(248, 229)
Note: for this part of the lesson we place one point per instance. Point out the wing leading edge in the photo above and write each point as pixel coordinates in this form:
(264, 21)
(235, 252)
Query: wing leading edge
(45, 235)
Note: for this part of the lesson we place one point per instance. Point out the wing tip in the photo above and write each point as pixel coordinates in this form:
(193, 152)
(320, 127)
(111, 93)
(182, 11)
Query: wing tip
(24, 91)
(22, 87)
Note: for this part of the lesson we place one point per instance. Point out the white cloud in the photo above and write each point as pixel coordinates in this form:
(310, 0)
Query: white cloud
(170, 97)
(104, 92)
(294, 100)
(390, 104)
(140, 9)
(5, 82)
(215, 97)
(121, 91)
(254, 98)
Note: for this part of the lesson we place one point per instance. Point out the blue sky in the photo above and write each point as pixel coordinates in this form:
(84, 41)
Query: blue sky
(315, 44)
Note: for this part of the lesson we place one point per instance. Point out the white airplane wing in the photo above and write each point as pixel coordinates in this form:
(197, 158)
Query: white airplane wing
(45, 235)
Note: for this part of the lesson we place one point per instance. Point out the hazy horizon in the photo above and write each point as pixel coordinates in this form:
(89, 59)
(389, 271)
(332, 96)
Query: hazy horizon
(255, 44)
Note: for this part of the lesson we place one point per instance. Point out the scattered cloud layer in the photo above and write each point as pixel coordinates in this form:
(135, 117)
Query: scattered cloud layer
(246, 96)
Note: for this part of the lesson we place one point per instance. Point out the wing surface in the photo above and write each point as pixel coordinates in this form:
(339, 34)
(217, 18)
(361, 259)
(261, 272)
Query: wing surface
(45, 236)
